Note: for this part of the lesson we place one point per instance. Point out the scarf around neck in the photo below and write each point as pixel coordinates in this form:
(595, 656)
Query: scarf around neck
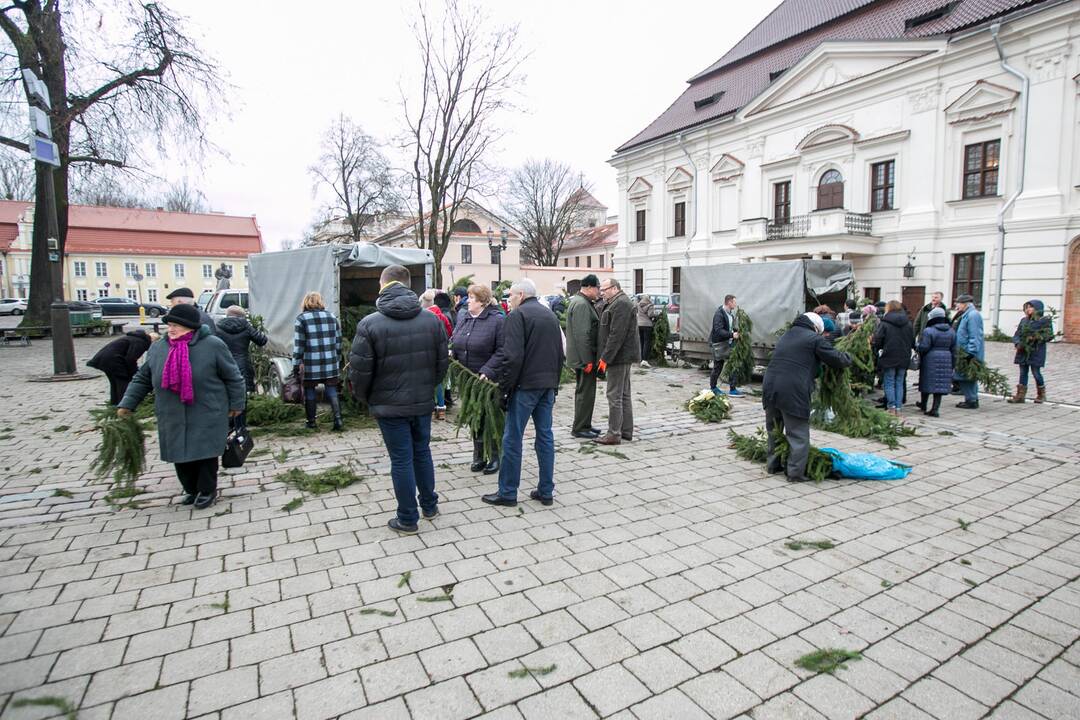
(176, 375)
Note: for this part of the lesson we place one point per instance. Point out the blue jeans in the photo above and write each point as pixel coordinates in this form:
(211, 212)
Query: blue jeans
(970, 389)
(524, 404)
(893, 381)
(408, 443)
(1037, 372)
(440, 395)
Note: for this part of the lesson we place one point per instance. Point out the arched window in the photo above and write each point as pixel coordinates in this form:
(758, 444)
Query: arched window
(465, 225)
(830, 190)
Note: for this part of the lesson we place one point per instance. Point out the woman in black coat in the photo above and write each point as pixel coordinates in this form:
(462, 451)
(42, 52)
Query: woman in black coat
(238, 334)
(937, 354)
(893, 341)
(119, 360)
(477, 340)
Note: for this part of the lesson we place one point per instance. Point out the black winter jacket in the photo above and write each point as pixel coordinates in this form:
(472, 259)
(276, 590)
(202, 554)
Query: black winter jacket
(789, 379)
(120, 358)
(618, 341)
(237, 334)
(532, 352)
(894, 338)
(721, 327)
(477, 340)
(398, 356)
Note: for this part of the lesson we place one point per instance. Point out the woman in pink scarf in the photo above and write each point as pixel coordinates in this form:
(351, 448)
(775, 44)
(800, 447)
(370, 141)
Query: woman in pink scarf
(197, 387)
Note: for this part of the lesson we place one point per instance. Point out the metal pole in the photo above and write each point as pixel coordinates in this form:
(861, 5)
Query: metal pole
(62, 344)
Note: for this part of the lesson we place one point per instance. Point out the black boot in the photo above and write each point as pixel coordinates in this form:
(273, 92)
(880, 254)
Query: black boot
(922, 403)
(310, 406)
(935, 407)
(477, 456)
(492, 467)
(335, 406)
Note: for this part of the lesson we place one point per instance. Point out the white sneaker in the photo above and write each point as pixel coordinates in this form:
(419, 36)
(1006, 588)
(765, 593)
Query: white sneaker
(645, 364)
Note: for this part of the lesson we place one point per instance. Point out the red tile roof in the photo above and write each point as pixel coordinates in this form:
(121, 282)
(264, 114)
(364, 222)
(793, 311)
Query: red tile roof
(592, 237)
(136, 231)
(792, 31)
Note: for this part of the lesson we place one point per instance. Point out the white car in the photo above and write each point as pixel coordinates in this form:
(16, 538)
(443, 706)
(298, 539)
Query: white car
(12, 306)
(222, 300)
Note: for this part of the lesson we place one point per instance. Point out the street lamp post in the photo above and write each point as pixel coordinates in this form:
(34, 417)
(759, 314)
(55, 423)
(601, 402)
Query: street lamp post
(497, 247)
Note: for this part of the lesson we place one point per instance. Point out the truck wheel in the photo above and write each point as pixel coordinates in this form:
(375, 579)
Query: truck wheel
(277, 384)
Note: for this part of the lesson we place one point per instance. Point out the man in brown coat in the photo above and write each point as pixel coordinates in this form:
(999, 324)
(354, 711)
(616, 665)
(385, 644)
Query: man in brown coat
(619, 351)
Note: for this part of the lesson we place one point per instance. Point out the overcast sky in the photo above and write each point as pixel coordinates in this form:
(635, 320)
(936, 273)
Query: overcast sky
(597, 73)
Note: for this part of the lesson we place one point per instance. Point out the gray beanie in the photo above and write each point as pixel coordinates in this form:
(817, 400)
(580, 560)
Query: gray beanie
(936, 313)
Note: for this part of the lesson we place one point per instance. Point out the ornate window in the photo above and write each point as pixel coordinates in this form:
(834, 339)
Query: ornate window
(883, 186)
(830, 191)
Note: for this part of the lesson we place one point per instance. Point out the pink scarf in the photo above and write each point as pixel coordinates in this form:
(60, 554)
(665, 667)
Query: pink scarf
(176, 375)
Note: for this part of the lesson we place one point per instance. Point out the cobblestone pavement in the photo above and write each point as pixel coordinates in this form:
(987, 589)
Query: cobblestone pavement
(657, 586)
(1062, 362)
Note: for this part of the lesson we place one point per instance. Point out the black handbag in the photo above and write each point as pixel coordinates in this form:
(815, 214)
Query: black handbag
(237, 447)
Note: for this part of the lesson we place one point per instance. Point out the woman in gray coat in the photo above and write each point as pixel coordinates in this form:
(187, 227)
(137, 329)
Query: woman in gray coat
(197, 388)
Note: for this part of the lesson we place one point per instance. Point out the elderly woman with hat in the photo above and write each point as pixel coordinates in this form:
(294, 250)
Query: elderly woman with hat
(197, 388)
(937, 355)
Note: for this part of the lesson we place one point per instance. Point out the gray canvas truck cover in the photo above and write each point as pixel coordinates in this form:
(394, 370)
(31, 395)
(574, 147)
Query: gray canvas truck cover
(279, 281)
(771, 293)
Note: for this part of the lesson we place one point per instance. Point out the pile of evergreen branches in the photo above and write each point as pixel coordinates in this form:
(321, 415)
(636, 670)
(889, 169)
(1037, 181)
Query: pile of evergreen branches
(478, 407)
(709, 407)
(122, 452)
(755, 449)
(739, 366)
(261, 365)
(991, 379)
(661, 336)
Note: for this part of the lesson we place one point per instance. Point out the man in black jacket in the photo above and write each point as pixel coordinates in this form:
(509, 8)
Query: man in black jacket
(725, 331)
(398, 357)
(619, 350)
(788, 385)
(530, 364)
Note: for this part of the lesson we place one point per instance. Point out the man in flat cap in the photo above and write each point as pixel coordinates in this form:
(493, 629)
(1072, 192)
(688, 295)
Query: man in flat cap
(184, 296)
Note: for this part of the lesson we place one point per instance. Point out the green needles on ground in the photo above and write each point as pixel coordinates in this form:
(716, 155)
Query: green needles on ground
(971, 582)
(335, 478)
(478, 407)
(223, 606)
(964, 524)
(750, 447)
(59, 704)
(292, 504)
(965, 561)
(527, 671)
(404, 578)
(435, 598)
(281, 455)
(60, 492)
(709, 407)
(122, 452)
(886, 584)
(795, 544)
(739, 366)
(827, 660)
(61, 428)
(378, 611)
(587, 449)
(755, 449)
(266, 412)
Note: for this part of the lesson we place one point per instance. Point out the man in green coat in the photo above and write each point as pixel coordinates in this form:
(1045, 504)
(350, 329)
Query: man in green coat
(582, 325)
(937, 300)
(619, 350)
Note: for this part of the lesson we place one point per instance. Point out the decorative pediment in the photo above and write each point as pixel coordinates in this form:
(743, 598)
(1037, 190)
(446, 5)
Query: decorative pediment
(726, 168)
(837, 63)
(981, 100)
(640, 188)
(679, 178)
(827, 135)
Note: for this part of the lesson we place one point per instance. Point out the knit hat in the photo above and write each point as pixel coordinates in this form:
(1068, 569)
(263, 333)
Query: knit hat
(936, 313)
(868, 310)
(815, 319)
(828, 324)
(590, 280)
(186, 315)
(461, 292)
(180, 292)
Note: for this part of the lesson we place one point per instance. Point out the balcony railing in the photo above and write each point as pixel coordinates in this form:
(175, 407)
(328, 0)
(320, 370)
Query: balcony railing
(800, 226)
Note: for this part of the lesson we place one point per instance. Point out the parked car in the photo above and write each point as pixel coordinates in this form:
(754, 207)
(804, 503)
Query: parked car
(222, 300)
(125, 306)
(12, 306)
(204, 299)
(83, 306)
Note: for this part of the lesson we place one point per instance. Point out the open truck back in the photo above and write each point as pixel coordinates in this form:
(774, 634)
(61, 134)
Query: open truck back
(345, 275)
(772, 294)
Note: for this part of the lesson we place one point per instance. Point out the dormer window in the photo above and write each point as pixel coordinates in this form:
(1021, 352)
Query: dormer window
(706, 101)
(776, 73)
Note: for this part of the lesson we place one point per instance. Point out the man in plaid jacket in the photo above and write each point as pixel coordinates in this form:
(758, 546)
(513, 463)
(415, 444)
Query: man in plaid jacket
(317, 355)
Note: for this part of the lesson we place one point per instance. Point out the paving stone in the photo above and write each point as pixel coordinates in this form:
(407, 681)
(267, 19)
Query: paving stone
(452, 659)
(719, 694)
(87, 659)
(832, 698)
(393, 677)
(559, 702)
(291, 671)
(611, 689)
(194, 663)
(119, 682)
(329, 698)
(671, 704)
(937, 698)
(223, 689)
(169, 703)
(504, 643)
(451, 700)
(494, 687)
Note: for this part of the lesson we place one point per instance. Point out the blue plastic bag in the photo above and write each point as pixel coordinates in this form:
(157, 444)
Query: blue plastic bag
(866, 466)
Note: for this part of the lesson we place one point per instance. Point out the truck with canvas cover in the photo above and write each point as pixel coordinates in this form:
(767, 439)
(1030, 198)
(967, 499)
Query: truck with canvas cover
(772, 294)
(347, 276)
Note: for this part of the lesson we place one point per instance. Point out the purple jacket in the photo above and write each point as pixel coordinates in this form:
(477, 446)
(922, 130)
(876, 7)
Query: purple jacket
(477, 341)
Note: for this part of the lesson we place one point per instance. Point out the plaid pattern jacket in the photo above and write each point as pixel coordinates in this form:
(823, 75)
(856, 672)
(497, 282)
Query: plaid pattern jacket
(317, 344)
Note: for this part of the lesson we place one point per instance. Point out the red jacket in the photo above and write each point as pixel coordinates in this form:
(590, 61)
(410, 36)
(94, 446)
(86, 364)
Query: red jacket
(445, 321)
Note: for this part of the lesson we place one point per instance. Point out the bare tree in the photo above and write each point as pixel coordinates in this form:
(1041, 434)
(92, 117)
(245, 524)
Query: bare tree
(544, 200)
(360, 182)
(16, 176)
(469, 70)
(112, 101)
(103, 188)
(182, 196)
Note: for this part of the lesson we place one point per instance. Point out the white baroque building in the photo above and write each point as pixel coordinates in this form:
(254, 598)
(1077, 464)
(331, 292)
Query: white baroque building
(886, 132)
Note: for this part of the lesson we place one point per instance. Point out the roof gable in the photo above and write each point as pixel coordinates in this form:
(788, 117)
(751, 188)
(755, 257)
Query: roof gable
(981, 99)
(837, 63)
(728, 166)
(639, 188)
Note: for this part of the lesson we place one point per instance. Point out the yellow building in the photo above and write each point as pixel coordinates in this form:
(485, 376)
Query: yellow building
(134, 253)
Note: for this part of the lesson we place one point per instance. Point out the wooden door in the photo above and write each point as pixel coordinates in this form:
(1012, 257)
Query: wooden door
(913, 298)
